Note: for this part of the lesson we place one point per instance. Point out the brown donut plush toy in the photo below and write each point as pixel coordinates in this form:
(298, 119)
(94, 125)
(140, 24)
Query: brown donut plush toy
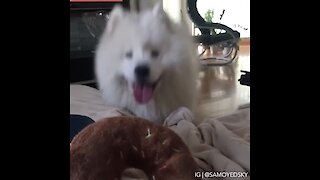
(108, 149)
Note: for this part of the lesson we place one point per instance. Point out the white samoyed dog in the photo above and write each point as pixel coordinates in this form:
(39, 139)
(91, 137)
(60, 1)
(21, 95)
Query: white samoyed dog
(147, 64)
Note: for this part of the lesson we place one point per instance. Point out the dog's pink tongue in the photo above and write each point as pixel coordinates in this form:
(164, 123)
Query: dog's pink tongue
(142, 93)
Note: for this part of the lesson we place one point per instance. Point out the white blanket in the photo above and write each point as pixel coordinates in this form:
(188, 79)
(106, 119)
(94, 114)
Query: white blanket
(217, 144)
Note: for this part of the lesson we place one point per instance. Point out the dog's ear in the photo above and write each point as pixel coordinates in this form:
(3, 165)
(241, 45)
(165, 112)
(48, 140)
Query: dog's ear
(114, 18)
(158, 11)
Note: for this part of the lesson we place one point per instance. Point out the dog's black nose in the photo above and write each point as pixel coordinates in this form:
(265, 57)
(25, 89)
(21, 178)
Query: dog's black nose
(142, 72)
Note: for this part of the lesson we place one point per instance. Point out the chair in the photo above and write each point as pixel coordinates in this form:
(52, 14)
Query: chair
(226, 39)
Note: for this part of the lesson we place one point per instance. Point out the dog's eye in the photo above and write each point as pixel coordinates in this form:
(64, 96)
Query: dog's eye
(129, 54)
(154, 53)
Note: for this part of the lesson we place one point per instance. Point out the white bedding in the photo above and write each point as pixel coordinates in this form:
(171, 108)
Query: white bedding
(87, 101)
(217, 144)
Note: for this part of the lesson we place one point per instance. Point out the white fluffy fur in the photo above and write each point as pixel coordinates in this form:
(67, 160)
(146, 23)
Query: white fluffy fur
(176, 65)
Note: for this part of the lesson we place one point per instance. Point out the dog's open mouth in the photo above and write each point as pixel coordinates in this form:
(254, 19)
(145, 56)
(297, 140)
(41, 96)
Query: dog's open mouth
(143, 92)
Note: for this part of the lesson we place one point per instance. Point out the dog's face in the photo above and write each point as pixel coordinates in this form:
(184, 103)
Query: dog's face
(144, 43)
(142, 68)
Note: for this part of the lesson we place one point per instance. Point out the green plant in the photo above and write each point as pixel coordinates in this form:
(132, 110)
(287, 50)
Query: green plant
(208, 16)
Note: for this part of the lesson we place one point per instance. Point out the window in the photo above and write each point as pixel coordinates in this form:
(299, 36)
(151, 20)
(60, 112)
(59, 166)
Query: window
(233, 13)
